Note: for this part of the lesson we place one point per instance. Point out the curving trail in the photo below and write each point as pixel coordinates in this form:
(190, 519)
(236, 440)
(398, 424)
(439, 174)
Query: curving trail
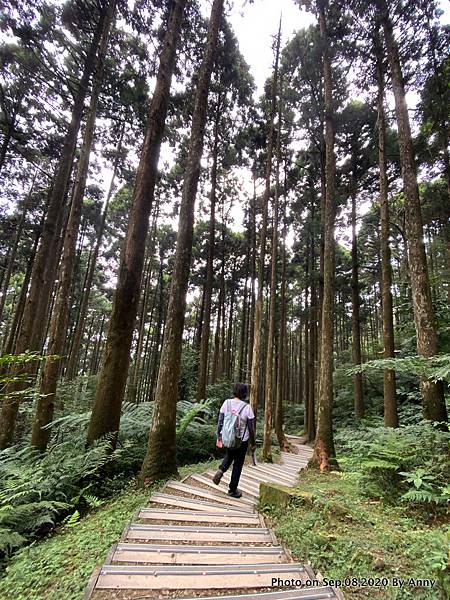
(193, 540)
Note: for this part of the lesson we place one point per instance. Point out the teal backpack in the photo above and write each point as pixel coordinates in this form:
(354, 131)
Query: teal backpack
(231, 430)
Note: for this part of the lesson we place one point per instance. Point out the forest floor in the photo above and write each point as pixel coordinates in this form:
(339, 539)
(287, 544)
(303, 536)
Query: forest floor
(346, 535)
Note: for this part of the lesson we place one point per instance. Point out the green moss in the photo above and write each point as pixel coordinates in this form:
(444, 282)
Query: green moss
(273, 494)
(59, 567)
(344, 534)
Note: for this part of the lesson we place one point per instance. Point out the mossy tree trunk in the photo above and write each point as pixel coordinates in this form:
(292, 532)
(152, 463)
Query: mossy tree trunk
(41, 433)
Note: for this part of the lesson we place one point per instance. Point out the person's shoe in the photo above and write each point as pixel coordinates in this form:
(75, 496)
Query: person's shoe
(235, 494)
(217, 477)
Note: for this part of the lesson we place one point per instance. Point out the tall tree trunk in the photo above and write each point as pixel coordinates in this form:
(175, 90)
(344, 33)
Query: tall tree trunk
(434, 408)
(311, 358)
(113, 375)
(255, 380)
(20, 306)
(324, 452)
(15, 245)
(269, 383)
(41, 433)
(389, 388)
(79, 328)
(251, 319)
(356, 318)
(204, 341)
(160, 459)
(134, 374)
(282, 346)
(42, 278)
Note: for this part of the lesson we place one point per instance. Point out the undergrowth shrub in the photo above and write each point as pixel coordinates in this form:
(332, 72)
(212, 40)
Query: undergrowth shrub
(409, 464)
(38, 491)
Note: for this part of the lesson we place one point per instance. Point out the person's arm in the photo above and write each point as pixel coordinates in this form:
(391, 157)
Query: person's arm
(220, 425)
(251, 432)
(221, 420)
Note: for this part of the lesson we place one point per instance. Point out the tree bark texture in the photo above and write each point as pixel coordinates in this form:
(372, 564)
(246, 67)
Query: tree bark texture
(324, 452)
(389, 387)
(160, 459)
(434, 408)
(114, 371)
(255, 379)
(40, 436)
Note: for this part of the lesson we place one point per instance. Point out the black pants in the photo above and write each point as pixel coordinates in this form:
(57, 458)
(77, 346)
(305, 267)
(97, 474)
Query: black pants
(237, 457)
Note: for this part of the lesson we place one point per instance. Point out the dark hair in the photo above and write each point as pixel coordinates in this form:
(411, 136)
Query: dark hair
(240, 390)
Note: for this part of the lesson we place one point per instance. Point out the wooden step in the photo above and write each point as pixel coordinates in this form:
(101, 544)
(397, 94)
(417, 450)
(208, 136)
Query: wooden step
(209, 484)
(196, 504)
(310, 593)
(278, 471)
(209, 495)
(261, 475)
(181, 533)
(176, 577)
(197, 516)
(302, 453)
(245, 485)
(196, 555)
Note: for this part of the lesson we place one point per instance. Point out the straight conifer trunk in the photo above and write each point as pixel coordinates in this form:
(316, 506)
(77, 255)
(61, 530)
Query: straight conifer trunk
(434, 408)
(356, 319)
(324, 452)
(114, 371)
(270, 372)
(60, 314)
(79, 328)
(160, 459)
(255, 380)
(206, 327)
(42, 278)
(389, 388)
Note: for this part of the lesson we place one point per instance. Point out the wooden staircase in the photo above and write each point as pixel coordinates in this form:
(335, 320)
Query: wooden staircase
(193, 540)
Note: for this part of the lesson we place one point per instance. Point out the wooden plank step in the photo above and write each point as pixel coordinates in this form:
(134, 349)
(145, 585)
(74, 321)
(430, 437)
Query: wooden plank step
(174, 533)
(310, 593)
(294, 462)
(260, 474)
(196, 555)
(207, 495)
(176, 577)
(210, 485)
(198, 516)
(245, 485)
(302, 453)
(196, 504)
(277, 471)
(295, 457)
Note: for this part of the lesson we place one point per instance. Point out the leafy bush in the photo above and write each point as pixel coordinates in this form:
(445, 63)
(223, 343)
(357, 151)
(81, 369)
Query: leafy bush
(38, 491)
(409, 464)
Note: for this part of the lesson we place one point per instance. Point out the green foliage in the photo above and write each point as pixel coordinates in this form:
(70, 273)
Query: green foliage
(39, 491)
(435, 367)
(408, 465)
